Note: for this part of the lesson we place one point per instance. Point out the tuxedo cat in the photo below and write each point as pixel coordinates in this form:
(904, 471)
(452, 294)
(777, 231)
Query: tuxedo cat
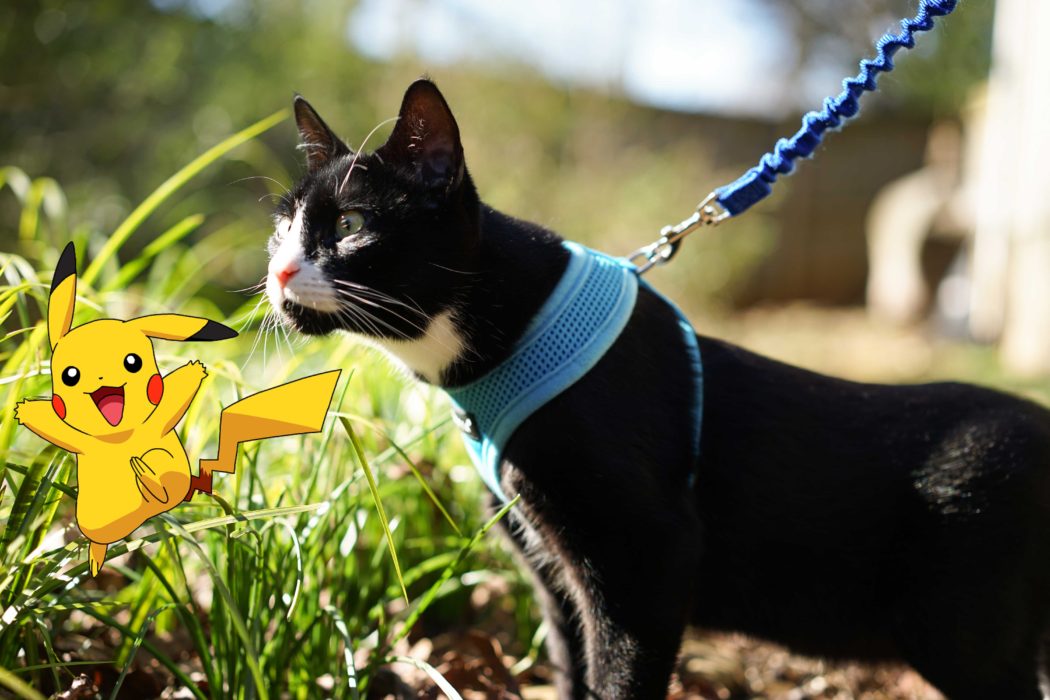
(843, 520)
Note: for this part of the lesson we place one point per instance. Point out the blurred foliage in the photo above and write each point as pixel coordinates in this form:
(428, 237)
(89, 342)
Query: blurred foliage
(935, 78)
(942, 76)
(109, 97)
(280, 583)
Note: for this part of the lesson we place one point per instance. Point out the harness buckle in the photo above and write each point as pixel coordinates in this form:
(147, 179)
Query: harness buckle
(466, 422)
(708, 213)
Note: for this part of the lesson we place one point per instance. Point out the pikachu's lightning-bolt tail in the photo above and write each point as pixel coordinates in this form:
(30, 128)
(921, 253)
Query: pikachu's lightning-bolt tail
(289, 409)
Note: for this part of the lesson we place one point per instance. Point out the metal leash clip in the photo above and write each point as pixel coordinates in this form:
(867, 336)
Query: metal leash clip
(708, 213)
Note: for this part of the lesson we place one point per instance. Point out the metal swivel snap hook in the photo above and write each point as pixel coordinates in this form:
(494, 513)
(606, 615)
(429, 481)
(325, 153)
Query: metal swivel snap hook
(708, 213)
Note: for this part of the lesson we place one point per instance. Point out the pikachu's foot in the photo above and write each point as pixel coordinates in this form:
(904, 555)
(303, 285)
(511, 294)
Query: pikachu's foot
(200, 483)
(96, 557)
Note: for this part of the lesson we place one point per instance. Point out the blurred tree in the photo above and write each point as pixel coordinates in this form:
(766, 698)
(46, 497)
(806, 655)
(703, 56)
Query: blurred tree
(833, 32)
(110, 97)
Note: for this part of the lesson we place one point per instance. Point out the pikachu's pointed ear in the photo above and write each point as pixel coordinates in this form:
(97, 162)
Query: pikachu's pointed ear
(63, 295)
(179, 327)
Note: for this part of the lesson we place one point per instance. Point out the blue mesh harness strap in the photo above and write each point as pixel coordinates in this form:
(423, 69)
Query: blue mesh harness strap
(579, 322)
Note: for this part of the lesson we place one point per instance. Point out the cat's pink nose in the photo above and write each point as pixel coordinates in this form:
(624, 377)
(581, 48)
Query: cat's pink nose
(285, 273)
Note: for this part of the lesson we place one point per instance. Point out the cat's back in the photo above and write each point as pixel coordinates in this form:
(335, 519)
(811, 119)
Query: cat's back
(748, 394)
(849, 489)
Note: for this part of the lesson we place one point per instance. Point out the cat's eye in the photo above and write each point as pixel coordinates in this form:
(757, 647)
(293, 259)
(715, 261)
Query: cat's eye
(350, 222)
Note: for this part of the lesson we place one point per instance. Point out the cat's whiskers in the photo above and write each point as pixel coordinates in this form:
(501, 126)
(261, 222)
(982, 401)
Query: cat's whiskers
(264, 332)
(383, 296)
(380, 301)
(287, 338)
(260, 333)
(349, 301)
(419, 353)
(266, 177)
(254, 288)
(280, 327)
(270, 319)
(360, 299)
(357, 153)
(245, 320)
(356, 316)
(273, 328)
(449, 269)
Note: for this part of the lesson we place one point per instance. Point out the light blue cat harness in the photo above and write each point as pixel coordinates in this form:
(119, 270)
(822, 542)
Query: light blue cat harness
(574, 328)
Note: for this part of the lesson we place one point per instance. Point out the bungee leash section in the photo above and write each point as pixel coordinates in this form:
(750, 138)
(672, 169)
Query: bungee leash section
(757, 183)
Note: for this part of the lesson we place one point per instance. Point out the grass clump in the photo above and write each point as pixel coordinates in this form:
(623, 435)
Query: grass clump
(307, 569)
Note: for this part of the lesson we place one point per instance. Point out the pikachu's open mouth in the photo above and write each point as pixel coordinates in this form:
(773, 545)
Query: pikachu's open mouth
(110, 402)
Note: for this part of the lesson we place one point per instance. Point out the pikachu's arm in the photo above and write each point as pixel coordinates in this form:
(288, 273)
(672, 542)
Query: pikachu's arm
(40, 417)
(180, 386)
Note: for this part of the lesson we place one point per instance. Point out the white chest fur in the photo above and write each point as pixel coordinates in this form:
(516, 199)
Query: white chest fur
(430, 354)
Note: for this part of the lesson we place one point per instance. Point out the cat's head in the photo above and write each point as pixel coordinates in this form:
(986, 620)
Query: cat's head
(376, 243)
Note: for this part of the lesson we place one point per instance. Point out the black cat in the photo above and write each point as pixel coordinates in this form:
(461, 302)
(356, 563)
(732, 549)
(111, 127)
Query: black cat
(843, 520)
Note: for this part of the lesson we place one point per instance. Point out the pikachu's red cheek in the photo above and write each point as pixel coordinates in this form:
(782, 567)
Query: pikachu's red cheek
(155, 389)
(59, 406)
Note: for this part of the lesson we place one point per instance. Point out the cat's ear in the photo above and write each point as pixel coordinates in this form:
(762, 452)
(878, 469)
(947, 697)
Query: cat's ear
(320, 144)
(426, 138)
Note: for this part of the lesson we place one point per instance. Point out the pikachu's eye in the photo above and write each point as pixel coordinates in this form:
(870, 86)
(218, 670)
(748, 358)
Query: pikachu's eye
(350, 222)
(70, 376)
(132, 363)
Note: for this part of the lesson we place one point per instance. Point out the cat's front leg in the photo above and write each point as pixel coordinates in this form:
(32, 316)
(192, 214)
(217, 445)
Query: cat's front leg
(564, 642)
(635, 597)
(621, 577)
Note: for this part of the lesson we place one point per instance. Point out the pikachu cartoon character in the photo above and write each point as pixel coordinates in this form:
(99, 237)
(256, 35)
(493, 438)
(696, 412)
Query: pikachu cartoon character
(114, 411)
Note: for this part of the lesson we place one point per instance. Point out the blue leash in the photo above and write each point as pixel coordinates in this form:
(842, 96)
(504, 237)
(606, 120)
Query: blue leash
(757, 183)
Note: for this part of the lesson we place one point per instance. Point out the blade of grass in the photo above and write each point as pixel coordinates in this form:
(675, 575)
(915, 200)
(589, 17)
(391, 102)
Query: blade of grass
(432, 592)
(44, 194)
(423, 482)
(251, 656)
(18, 686)
(187, 613)
(297, 549)
(532, 656)
(61, 554)
(374, 488)
(17, 180)
(162, 658)
(172, 185)
(348, 650)
(24, 471)
(49, 648)
(61, 664)
(438, 679)
(173, 235)
(135, 647)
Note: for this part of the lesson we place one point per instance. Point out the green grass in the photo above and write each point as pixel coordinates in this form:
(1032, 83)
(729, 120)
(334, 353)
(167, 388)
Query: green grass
(311, 562)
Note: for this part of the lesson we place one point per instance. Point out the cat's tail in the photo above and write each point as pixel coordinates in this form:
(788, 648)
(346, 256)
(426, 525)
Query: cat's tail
(294, 408)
